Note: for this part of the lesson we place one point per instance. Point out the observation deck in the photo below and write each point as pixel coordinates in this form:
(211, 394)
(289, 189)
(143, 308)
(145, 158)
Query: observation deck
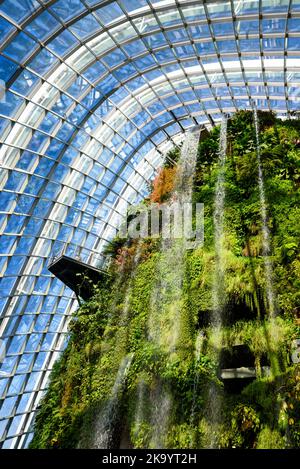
(79, 270)
(237, 367)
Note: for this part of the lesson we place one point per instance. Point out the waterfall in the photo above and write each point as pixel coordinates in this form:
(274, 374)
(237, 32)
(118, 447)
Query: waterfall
(265, 229)
(218, 293)
(198, 350)
(164, 324)
(140, 416)
(213, 408)
(163, 334)
(161, 403)
(173, 250)
(106, 420)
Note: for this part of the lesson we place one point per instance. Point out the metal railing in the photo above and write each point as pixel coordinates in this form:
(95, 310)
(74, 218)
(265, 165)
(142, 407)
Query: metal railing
(81, 254)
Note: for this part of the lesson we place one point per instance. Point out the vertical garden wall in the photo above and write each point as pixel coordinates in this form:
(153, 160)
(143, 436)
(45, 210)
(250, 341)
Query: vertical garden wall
(145, 364)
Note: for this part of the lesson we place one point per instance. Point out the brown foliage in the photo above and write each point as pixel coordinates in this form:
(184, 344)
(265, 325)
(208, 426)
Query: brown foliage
(126, 255)
(163, 185)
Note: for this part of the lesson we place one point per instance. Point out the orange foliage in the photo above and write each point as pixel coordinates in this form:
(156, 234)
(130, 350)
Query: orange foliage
(126, 255)
(163, 185)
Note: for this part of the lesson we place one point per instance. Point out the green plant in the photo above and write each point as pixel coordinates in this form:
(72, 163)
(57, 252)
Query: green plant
(270, 439)
(245, 424)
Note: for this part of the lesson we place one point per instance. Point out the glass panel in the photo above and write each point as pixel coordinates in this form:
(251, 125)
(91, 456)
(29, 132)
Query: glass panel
(43, 26)
(293, 44)
(109, 13)
(246, 6)
(223, 29)
(295, 5)
(7, 68)
(5, 28)
(129, 5)
(7, 406)
(273, 44)
(114, 58)
(273, 25)
(177, 35)
(123, 32)
(249, 45)
(43, 62)
(164, 55)
(20, 47)
(247, 27)
(169, 18)
(219, 9)
(194, 13)
(94, 72)
(19, 10)
(272, 6)
(67, 10)
(85, 27)
(205, 47)
(294, 25)
(25, 82)
(155, 40)
(226, 46)
(63, 43)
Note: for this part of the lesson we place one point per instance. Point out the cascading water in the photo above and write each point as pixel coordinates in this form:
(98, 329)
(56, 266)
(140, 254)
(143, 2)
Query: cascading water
(106, 420)
(271, 335)
(213, 403)
(218, 295)
(141, 396)
(173, 249)
(164, 328)
(161, 404)
(265, 229)
(198, 349)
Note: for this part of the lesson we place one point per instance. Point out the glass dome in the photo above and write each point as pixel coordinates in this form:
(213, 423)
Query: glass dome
(92, 96)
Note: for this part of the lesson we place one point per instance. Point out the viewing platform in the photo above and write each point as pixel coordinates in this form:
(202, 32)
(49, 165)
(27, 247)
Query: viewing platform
(79, 270)
(237, 367)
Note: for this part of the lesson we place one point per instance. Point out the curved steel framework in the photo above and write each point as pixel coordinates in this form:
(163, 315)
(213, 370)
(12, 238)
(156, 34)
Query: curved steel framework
(92, 95)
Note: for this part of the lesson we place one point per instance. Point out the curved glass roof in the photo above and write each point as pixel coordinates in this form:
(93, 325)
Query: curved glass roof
(92, 95)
